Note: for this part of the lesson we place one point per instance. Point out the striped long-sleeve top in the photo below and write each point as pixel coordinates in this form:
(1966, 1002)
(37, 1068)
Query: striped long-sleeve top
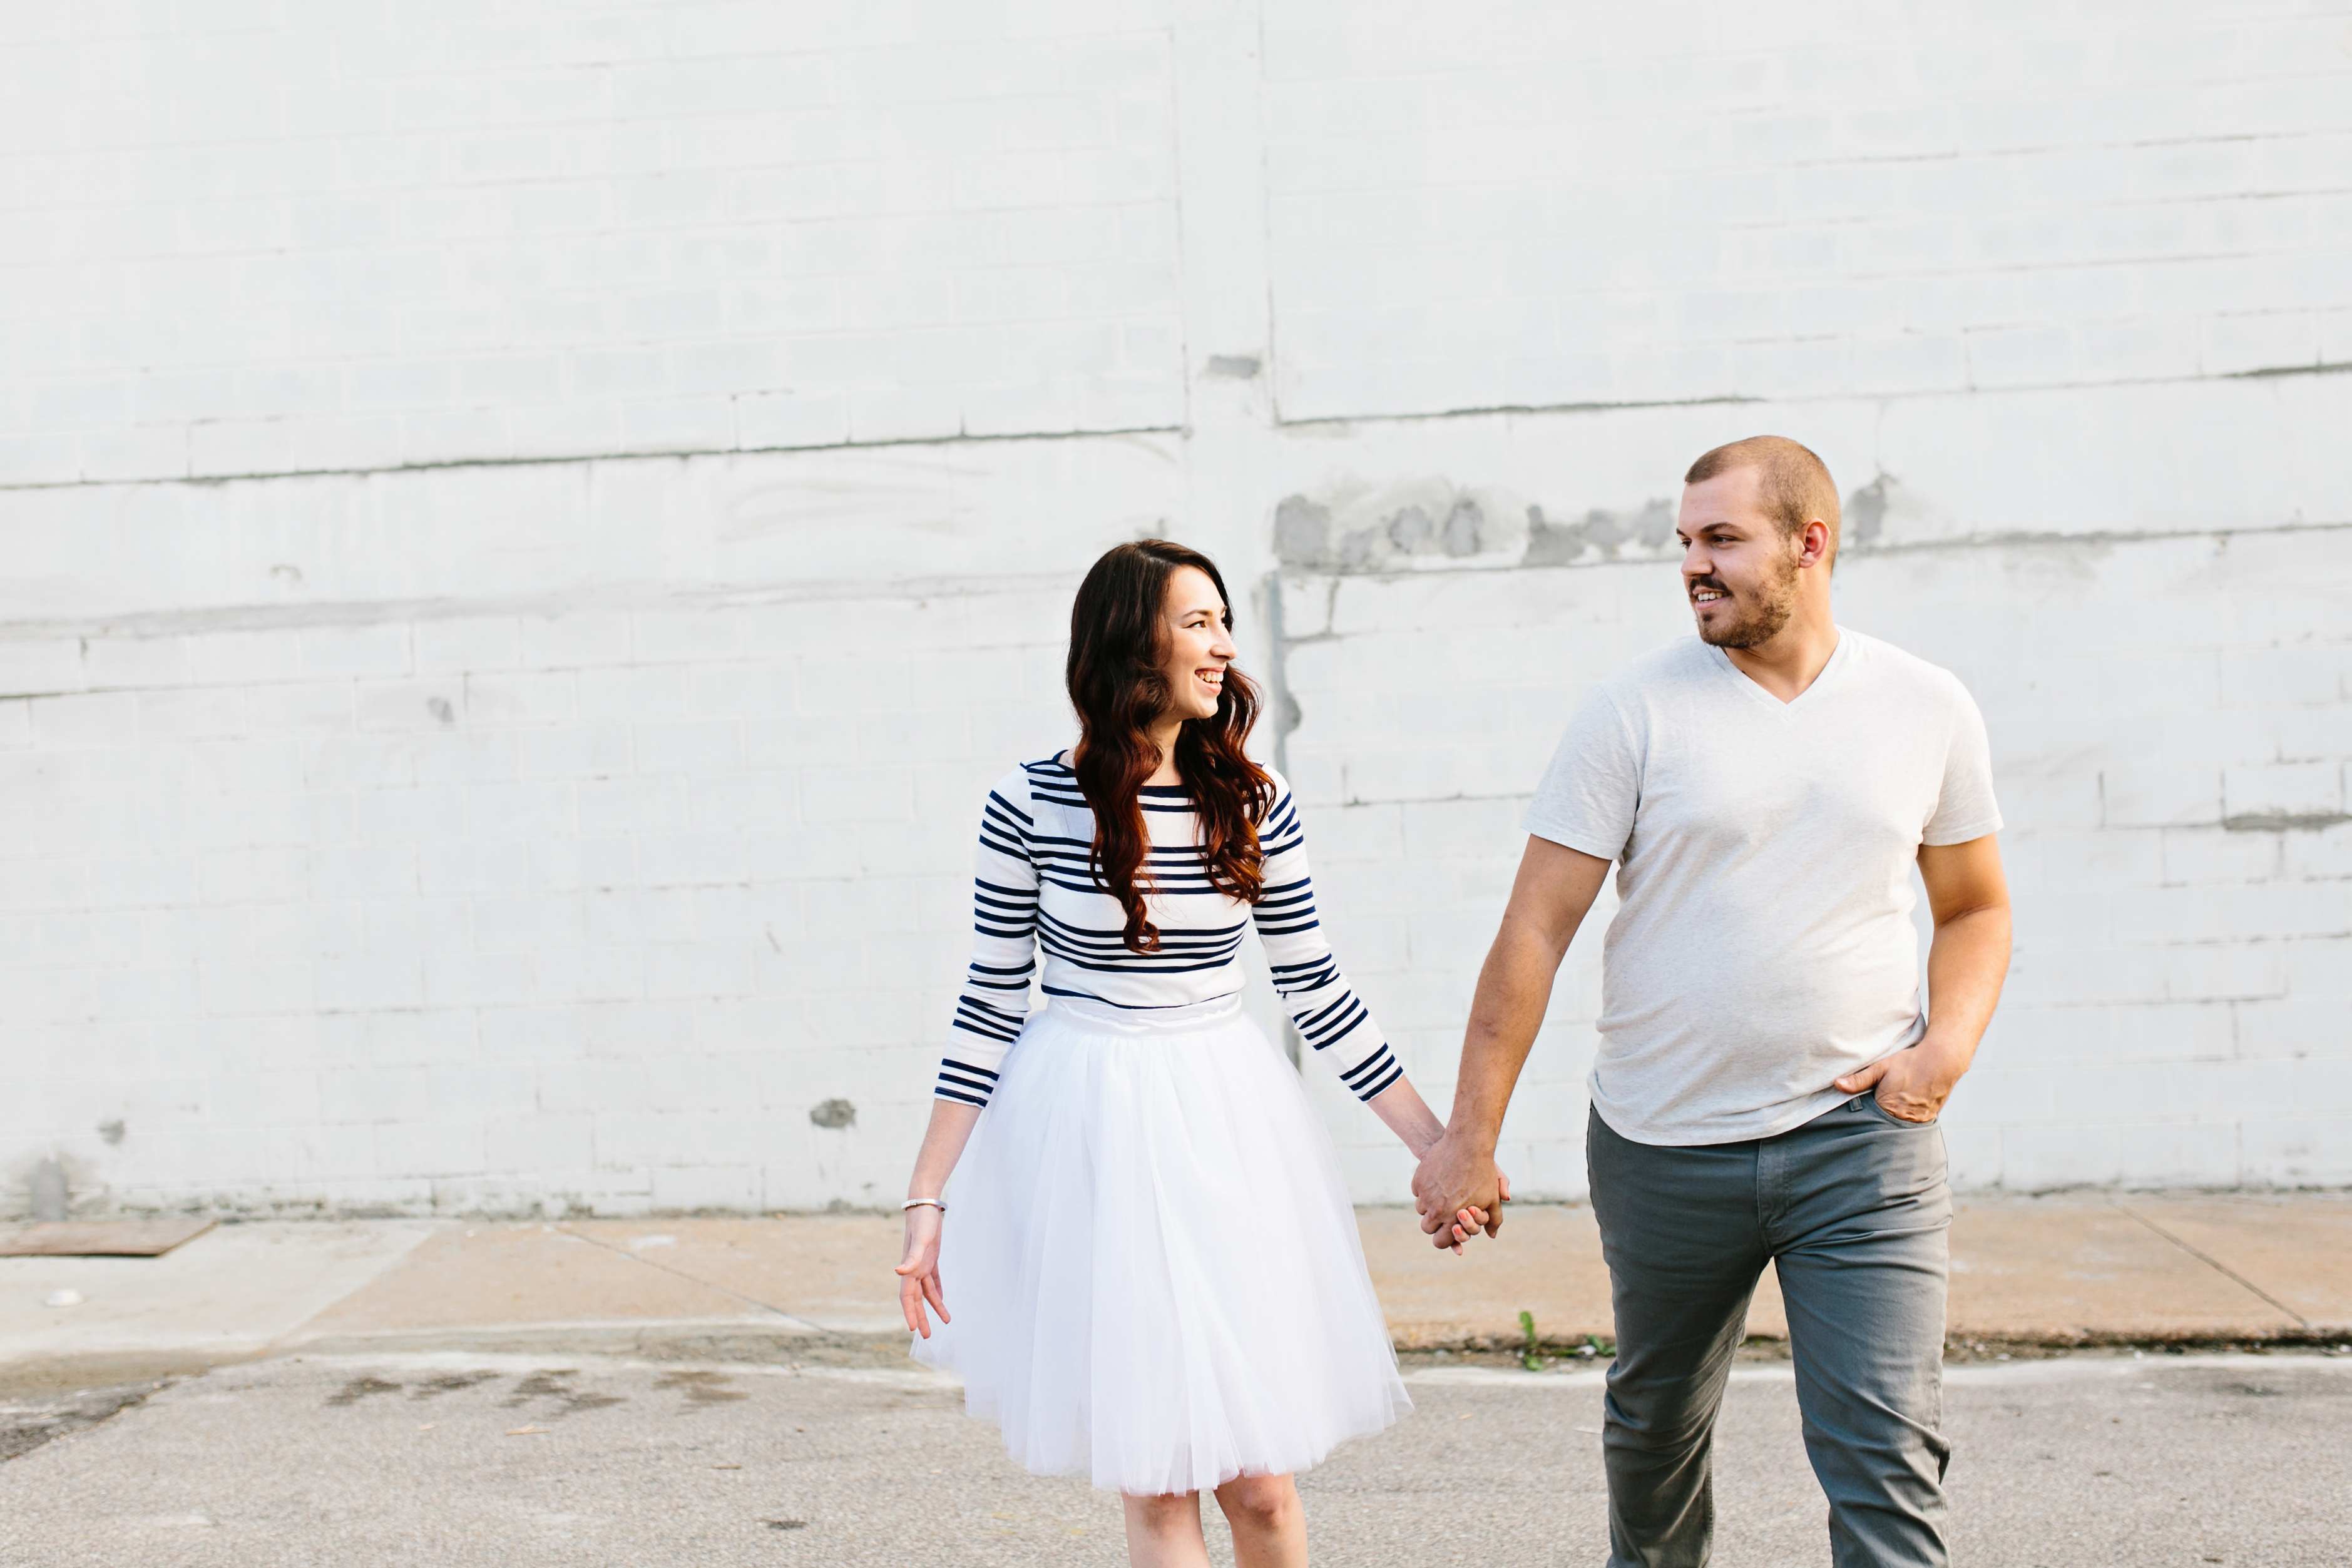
(1032, 892)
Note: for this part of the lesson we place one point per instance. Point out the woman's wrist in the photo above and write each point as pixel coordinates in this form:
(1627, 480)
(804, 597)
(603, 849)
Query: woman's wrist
(1422, 1134)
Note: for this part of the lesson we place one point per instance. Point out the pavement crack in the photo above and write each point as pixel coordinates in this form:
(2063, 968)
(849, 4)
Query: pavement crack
(2215, 1263)
(707, 1284)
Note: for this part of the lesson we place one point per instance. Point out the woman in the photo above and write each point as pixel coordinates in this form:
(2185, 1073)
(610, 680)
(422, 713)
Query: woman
(1157, 1272)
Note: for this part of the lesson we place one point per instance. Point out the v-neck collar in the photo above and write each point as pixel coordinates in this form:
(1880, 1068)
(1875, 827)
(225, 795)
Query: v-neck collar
(1829, 672)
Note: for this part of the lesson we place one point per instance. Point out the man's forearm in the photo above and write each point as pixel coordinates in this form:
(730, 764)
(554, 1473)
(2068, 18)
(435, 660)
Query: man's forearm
(1514, 989)
(1550, 899)
(1967, 962)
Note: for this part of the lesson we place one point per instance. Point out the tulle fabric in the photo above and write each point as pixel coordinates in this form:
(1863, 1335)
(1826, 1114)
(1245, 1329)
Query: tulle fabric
(1153, 1261)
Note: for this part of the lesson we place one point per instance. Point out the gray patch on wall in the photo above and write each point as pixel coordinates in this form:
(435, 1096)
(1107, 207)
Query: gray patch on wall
(1553, 543)
(1302, 532)
(48, 1194)
(1865, 512)
(1454, 527)
(834, 1114)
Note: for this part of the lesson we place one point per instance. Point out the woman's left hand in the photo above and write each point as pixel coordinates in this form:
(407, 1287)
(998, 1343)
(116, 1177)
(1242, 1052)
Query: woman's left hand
(1469, 1222)
(919, 1270)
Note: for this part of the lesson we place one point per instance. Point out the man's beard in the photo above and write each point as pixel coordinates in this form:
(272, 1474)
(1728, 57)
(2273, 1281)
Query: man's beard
(1776, 602)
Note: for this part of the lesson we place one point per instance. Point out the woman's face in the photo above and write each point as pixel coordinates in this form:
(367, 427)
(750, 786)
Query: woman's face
(1197, 627)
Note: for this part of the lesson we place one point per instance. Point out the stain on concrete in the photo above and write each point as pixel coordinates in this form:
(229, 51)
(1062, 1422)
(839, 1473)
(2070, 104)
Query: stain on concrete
(360, 1388)
(702, 1388)
(556, 1386)
(434, 1387)
(834, 1114)
(26, 1427)
(1237, 367)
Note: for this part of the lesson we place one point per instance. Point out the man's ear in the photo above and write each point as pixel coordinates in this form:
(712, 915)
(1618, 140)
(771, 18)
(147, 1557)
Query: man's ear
(1813, 544)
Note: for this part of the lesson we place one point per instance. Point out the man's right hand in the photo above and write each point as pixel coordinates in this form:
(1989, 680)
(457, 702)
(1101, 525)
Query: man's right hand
(1454, 1175)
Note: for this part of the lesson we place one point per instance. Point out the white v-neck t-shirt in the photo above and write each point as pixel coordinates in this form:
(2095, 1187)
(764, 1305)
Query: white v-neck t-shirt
(1763, 944)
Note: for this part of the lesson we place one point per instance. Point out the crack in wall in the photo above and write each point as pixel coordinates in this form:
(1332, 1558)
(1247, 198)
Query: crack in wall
(2284, 822)
(1222, 366)
(618, 599)
(582, 459)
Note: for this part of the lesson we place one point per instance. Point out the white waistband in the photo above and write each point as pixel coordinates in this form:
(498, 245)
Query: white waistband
(1085, 1012)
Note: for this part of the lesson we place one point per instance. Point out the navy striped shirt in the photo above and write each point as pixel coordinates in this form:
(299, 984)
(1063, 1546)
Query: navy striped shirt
(1032, 892)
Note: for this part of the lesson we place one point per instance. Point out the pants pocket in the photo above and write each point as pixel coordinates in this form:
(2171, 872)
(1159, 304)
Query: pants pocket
(1869, 1101)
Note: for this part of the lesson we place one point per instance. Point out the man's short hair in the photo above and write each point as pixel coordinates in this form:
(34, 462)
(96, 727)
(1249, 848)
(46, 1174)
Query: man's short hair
(1796, 485)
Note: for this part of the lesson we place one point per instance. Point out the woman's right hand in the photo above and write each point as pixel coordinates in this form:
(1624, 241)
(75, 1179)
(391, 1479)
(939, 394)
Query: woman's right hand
(918, 1270)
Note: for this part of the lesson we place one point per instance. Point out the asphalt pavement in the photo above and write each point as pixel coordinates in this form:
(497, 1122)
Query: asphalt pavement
(457, 1460)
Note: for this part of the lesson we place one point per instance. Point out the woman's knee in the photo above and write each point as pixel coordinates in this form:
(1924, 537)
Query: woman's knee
(1264, 1502)
(1165, 1511)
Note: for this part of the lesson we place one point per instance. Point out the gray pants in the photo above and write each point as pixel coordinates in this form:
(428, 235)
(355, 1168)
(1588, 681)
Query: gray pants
(1853, 1207)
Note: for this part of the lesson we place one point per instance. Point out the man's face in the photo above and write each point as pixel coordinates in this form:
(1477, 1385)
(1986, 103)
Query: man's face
(1739, 570)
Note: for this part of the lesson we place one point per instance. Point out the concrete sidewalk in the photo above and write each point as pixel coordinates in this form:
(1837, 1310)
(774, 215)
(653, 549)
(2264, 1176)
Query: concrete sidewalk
(2026, 1272)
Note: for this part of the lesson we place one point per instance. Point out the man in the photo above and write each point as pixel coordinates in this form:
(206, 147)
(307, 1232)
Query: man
(1767, 1087)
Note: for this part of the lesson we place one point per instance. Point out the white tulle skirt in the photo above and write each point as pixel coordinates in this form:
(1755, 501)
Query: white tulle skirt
(1153, 1261)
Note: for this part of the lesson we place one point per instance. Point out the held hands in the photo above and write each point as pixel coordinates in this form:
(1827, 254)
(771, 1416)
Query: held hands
(1912, 1085)
(1459, 1191)
(919, 1270)
(1467, 1222)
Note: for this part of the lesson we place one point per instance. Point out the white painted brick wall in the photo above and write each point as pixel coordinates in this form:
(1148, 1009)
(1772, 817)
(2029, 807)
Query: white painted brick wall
(1512, 205)
(598, 929)
(514, 815)
(241, 240)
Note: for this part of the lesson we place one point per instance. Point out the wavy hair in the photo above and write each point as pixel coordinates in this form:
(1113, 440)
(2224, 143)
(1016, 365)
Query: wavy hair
(1118, 643)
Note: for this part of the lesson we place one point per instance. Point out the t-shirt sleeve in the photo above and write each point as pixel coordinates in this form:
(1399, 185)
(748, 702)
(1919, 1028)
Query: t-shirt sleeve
(1588, 794)
(1964, 805)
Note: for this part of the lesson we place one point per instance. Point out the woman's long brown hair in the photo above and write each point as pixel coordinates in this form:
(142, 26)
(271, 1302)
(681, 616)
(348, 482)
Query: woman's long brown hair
(1117, 642)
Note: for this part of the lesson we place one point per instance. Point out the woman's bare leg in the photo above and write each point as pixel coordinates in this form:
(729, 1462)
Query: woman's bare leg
(1268, 1524)
(1165, 1531)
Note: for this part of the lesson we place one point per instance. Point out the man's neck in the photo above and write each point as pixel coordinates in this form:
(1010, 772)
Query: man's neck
(1795, 656)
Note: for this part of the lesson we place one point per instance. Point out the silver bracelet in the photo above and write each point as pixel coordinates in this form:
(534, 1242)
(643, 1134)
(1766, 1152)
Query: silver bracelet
(921, 1202)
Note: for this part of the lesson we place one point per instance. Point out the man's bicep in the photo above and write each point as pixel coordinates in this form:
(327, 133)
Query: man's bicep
(1963, 877)
(1555, 888)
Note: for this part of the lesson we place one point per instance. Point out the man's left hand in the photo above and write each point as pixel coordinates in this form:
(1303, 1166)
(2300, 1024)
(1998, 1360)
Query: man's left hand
(1912, 1085)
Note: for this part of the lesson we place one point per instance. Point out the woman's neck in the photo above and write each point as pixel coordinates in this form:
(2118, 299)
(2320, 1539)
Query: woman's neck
(1163, 736)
